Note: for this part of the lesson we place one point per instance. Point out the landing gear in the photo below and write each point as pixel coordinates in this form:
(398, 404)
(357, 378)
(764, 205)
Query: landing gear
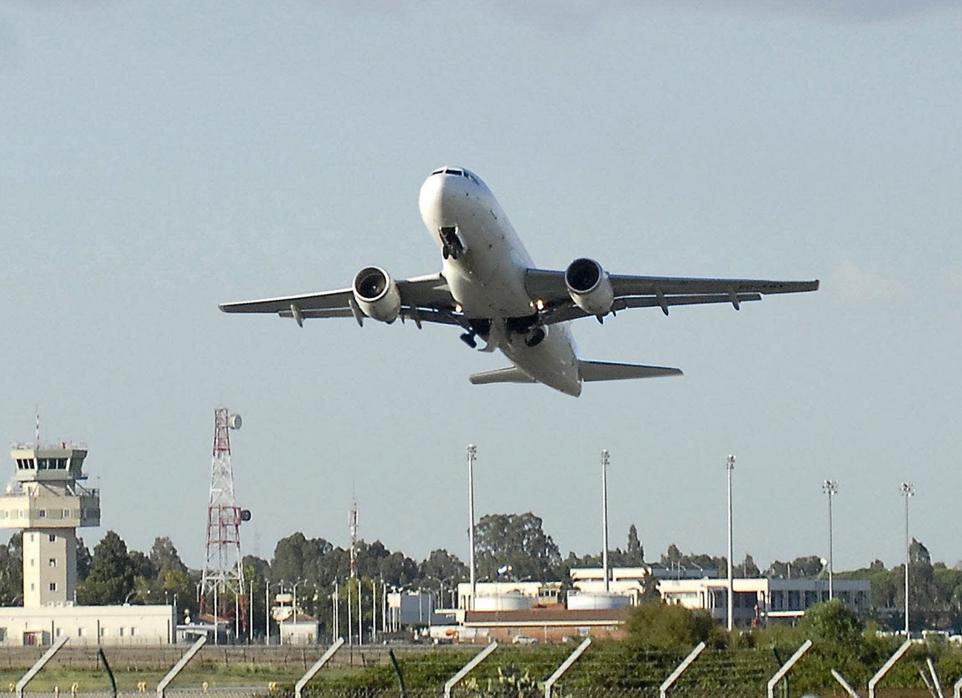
(476, 327)
(451, 244)
(468, 338)
(535, 338)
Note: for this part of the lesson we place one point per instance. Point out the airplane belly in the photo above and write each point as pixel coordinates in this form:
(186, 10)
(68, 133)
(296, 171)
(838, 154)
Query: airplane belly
(552, 362)
(488, 280)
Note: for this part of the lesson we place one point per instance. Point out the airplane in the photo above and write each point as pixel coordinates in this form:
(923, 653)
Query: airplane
(490, 288)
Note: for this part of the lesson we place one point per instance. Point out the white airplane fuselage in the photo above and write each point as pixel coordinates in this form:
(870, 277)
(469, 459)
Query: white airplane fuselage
(487, 276)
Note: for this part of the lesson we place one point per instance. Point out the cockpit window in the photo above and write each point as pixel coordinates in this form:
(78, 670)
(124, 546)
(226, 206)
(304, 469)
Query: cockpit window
(439, 171)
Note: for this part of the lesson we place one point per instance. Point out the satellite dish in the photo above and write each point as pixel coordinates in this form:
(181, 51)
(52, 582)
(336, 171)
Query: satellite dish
(234, 421)
(245, 515)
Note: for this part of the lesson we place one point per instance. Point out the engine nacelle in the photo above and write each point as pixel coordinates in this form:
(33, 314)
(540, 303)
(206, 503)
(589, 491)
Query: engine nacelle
(589, 287)
(377, 295)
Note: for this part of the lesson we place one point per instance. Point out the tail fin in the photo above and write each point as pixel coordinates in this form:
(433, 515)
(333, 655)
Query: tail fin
(609, 371)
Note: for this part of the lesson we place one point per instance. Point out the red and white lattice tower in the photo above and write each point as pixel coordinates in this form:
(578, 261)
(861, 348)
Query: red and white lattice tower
(222, 586)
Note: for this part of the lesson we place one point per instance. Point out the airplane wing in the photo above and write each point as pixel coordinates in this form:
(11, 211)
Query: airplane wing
(423, 299)
(548, 286)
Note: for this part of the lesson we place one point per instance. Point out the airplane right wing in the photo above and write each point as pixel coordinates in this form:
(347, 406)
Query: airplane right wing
(549, 288)
(422, 299)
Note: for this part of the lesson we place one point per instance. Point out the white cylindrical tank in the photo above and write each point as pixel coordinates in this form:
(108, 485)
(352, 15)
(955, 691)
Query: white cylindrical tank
(502, 602)
(593, 601)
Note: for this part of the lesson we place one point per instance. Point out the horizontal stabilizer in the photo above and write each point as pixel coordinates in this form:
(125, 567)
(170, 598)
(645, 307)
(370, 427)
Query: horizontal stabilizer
(502, 375)
(608, 371)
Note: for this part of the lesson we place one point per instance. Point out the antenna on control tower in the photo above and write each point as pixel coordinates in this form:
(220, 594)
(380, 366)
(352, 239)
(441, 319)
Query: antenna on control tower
(222, 586)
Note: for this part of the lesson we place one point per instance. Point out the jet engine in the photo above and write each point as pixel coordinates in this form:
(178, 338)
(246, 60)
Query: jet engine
(589, 287)
(377, 295)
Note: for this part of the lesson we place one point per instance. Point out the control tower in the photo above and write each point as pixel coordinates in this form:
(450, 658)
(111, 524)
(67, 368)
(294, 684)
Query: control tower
(46, 500)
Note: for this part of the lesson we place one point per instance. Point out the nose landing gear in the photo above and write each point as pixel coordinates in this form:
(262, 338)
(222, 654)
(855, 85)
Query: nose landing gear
(451, 244)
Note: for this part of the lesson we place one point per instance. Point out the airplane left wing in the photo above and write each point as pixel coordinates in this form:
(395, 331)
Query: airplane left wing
(549, 287)
(423, 298)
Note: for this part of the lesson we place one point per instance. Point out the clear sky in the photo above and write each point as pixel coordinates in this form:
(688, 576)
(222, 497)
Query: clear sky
(159, 158)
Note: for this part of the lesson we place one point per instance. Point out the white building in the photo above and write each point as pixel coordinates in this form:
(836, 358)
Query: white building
(535, 593)
(760, 600)
(87, 625)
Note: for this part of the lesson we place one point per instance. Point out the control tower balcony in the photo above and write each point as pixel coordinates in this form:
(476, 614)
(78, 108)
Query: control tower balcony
(50, 510)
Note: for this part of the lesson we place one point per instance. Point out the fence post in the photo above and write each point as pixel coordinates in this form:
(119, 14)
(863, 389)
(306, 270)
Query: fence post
(786, 667)
(110, 672)
(565, 665)
(299, 686)
(35, 669)
(848, 689)
(679, 670)
(178, 667)
(467, 668)
(890, 662)
(935, 678)
(398, 673)
(957, 689)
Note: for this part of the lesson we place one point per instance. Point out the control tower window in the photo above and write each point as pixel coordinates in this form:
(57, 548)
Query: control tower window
(41, 464)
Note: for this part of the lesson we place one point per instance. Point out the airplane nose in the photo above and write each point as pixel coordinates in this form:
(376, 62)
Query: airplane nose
(440, 194)
(429, 199)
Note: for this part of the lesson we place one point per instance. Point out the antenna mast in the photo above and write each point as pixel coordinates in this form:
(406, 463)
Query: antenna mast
(352, 525)
(223, 579)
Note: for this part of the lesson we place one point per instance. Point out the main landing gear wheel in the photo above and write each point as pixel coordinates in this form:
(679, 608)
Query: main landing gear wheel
(468, 338)
(535, 338)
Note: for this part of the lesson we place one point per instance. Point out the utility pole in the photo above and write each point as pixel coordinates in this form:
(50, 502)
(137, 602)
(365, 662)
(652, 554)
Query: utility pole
(830, 487)
(472, 454)
(908, 490)
(729, 467)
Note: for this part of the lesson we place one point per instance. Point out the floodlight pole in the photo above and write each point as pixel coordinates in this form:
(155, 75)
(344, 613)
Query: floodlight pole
(908, 490)
(729, 467)
(830, 487)
(604, 516)
(472, 454)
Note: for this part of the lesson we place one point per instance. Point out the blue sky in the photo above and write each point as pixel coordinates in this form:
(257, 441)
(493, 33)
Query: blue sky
(158, 159)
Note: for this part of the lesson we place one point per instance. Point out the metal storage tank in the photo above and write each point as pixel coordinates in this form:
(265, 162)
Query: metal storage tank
(597, 600)
(503, 602)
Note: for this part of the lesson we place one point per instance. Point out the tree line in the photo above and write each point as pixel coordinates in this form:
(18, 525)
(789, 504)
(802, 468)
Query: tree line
(508, 547)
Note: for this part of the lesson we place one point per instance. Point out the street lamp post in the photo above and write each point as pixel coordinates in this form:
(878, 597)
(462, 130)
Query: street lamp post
(908, 490)
(729, 467)
(336, 613)
(267, 611)
(830, 487)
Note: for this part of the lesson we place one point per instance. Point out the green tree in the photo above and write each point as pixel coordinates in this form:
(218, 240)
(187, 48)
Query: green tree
(516, 544)
(84, 560)
(660, 626)
(634, 552)
(442, 565)
(111, 575)
(164, 556)
(11, 572)
(833, 623)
